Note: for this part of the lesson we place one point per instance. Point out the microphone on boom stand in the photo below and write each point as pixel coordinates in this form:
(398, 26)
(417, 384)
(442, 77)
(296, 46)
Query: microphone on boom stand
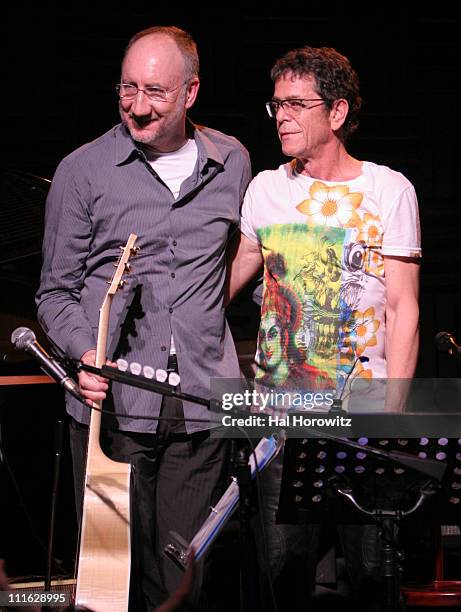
(337, 406)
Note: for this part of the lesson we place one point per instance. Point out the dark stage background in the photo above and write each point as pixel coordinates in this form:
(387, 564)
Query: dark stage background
(409, 62)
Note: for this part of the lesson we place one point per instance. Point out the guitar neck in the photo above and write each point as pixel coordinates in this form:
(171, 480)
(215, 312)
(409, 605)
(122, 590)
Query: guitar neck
(103, 331)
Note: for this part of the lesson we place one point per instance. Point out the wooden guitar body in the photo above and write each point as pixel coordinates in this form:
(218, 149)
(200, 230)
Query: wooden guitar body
(103, 578)
(104, 562)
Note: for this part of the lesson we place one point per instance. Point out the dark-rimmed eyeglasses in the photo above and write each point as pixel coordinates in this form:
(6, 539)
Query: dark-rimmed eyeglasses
(292, 106)
(128, 91)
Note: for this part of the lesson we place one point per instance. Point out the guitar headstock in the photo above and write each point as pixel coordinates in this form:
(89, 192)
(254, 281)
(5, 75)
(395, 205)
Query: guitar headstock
(122, 266)
(115, 284)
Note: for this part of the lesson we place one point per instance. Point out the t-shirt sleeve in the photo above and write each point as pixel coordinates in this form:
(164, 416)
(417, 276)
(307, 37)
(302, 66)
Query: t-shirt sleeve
(402, 234)
(247, 225)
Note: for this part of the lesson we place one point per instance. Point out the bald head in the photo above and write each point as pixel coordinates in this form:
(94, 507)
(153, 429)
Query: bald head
(184, 43)
(159, 58)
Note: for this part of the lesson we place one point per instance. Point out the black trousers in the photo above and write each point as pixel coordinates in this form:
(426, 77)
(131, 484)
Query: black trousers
(176, 478)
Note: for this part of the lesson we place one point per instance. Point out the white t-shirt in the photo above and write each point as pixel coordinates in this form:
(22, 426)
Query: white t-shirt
(324, 287)
(174, 167)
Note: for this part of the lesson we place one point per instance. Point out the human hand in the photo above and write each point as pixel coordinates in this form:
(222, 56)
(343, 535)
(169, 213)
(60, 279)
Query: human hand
(92, 387)
(181, 596)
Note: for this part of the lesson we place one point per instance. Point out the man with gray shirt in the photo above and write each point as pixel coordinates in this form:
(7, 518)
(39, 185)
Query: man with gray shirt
(178, 187)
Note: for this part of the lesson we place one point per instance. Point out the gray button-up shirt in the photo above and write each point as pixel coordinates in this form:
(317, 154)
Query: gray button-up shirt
(100, 194)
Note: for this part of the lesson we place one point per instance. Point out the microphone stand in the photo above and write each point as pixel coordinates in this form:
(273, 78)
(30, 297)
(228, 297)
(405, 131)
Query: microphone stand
(58, 448)
(144, 383)
(387, 521)
(243, 475)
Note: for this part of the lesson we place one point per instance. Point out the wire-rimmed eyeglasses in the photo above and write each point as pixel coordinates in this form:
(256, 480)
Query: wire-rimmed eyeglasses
(292, 106)
(128, 91)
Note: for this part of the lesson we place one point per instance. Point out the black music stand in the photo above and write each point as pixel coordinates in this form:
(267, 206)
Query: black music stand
(371, 481)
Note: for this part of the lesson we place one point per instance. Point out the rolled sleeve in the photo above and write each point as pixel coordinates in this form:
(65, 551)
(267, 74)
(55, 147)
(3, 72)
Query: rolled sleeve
(402, 234)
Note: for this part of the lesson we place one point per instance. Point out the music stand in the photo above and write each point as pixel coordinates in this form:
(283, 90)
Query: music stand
(327, 479)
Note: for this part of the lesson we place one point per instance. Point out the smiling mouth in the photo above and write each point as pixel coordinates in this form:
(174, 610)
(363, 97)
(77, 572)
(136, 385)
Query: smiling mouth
(142, 124)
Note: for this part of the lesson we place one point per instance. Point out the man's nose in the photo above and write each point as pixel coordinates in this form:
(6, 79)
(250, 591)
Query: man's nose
(141, 105)
(281, 115)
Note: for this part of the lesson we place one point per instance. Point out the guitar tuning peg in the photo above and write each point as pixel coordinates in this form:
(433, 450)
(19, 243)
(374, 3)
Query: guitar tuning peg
(135, 368)
(174, 379)
(127, 268)
(121, 284)
(122, 365)
(161, 375)
(148, 372)
(135, 250)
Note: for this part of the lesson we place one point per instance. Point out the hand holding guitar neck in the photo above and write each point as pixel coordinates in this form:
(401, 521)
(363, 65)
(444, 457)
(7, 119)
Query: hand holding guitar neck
(92, 387)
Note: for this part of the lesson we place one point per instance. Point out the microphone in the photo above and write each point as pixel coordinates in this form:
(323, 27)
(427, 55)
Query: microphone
(337, 405)
(446, 343)
(24, 339)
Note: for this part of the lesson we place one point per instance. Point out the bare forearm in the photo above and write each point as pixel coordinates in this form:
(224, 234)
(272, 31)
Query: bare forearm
(402, 343)
(244, 259)
(402, 328)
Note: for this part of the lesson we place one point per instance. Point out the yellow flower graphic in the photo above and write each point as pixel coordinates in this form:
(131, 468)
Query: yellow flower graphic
(331, 206)
(370, 230)
(375, 264)
(364, 328)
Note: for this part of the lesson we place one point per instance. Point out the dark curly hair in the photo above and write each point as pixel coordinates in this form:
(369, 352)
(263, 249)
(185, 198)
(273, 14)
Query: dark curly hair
(334, 77)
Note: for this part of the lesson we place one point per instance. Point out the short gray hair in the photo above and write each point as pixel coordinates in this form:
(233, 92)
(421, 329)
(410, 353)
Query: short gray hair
(184, 40)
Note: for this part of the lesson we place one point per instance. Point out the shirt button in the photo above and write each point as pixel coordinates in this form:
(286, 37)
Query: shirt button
(173, 275)
(163, 348)
(174, 243)
(170, 310)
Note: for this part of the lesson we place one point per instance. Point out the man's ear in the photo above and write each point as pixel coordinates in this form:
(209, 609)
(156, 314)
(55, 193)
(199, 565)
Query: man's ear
(192, 91)
(338, 114)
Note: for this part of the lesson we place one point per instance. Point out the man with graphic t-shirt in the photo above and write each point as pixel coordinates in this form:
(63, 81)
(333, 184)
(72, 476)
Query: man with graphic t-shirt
(340, 243)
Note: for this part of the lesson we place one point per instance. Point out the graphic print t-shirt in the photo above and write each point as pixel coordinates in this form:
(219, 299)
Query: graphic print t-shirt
(324, 287)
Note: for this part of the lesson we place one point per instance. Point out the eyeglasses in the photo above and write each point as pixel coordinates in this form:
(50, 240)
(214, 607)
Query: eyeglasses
(127, 91)
(292, 106)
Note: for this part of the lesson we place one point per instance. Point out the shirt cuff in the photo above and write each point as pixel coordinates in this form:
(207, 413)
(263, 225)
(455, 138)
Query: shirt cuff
(399, 251)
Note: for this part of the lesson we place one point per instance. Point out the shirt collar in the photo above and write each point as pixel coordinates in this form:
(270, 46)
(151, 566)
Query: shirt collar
(207, 150)
(126, 149)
